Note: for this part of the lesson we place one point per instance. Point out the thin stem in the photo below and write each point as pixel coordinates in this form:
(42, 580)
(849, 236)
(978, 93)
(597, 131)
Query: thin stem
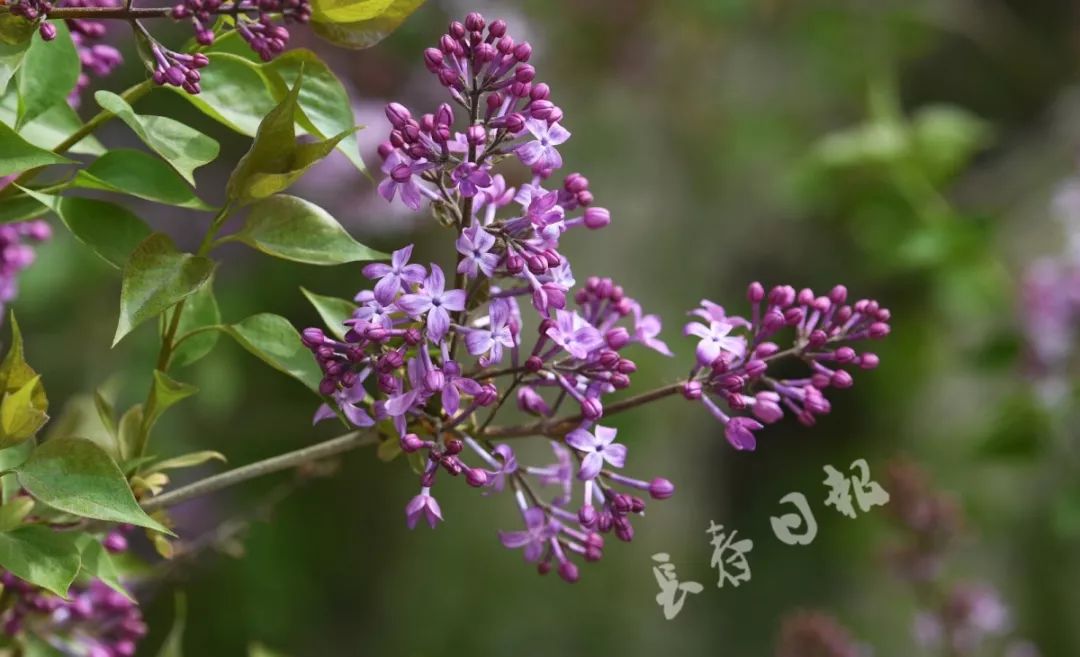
(558, 428)
(285, 461)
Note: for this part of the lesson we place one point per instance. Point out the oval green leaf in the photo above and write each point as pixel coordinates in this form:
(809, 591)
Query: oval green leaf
(76, 476)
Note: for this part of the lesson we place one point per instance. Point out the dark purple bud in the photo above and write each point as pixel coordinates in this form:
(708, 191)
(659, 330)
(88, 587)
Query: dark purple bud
(47, 31)
(591, 408)
(540, 91)
(476, 135)
(410, 443)
(488, 395)
(313, 337)
(755, 368)
(841, 379)
(397, 114)
(617, 338)
(433, 59)
(474, 22)
(692, 390)
(525, 73)
(868, 361)
(515, 264)
(534, 364)
(587, 516)
(497, 28)
(773, 320)
(661, 489)
(626, 366)
(115, 542)
(456, 30)
(596, 218)
(454, 446)
(766, 349)
(793, 316)
(845, 355)
(817, 338)
(879, 330)
(476, 477)
(568, 571)
(523, 51)
(327, 386)
(755, 292)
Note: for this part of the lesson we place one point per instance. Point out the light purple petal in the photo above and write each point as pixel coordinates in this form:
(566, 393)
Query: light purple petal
(590, 466)
(454, 300)
(615, 455)
(557, 134)
(414, 305)
(377, 270)
(529, 153)
(324, 412)
(438, 323)
(604, 435)
(581, 439)
(401, 256)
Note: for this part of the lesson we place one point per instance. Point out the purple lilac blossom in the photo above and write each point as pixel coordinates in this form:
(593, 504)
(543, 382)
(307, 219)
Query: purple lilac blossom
(438, 359)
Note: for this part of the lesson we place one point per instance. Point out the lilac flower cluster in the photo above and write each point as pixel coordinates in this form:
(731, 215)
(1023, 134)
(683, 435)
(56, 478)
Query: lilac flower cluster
(733, 355)
(16, 254)
(254, 21)
(178, 69)
(528, 330)
(960, 618)
(100, 59)
(94, 621)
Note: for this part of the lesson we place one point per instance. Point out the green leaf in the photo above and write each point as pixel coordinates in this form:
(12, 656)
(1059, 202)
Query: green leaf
(359, 23)
(156, 277)
(15, 35)
(141, 175)
(200, 311)
(15, 372)
(20, 208)
(11, 458)
(76, 476)
(325, 109)
(48, 74)
(332, 310)
(97, 562)
(234, 93)
(174, 642)
(111, 231)
(19, 417)
(107, 413)
(54, 126)
(14, 512)
(185, 148)
(259, 650)
(187, 461)
(165, 393)
(18, 155)
(275, 160)
(41, 556)
(274, 340)
(130, 431)
(294, 229)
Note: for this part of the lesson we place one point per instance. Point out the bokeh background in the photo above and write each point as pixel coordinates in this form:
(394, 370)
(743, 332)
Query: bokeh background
(914, 150)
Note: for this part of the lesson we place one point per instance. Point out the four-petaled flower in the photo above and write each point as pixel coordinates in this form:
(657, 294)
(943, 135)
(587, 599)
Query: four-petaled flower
(471, 178)
(434, 300)
(598, 446)
(540, 153)
(574, 334)
(740, 433)
(400, 178)
(423, 505)
(475, 245)
(646, 328)
(715, 340)
(488, 342)
(394, 276)
(533, 538)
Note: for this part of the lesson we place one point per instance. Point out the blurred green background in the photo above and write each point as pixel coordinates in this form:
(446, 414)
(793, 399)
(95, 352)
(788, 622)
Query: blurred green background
(909, 149)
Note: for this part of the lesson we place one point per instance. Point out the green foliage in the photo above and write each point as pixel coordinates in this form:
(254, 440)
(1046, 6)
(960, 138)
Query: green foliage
(275, 160)
(15, 35)
(111, 231)
(156, 277)
(174, 642)
(164, 393)
(183, 147)
(359, 23)
(186, 461)
(76, 476)
(24, 405)
(18, 155)
(332, 310)
(294, 229)
(97, 562)
(41, 556)
(273, 340)
(234, 93)
(51, 128)
(200, 311)
(49, 72)
(325, 110)
(139, 174)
